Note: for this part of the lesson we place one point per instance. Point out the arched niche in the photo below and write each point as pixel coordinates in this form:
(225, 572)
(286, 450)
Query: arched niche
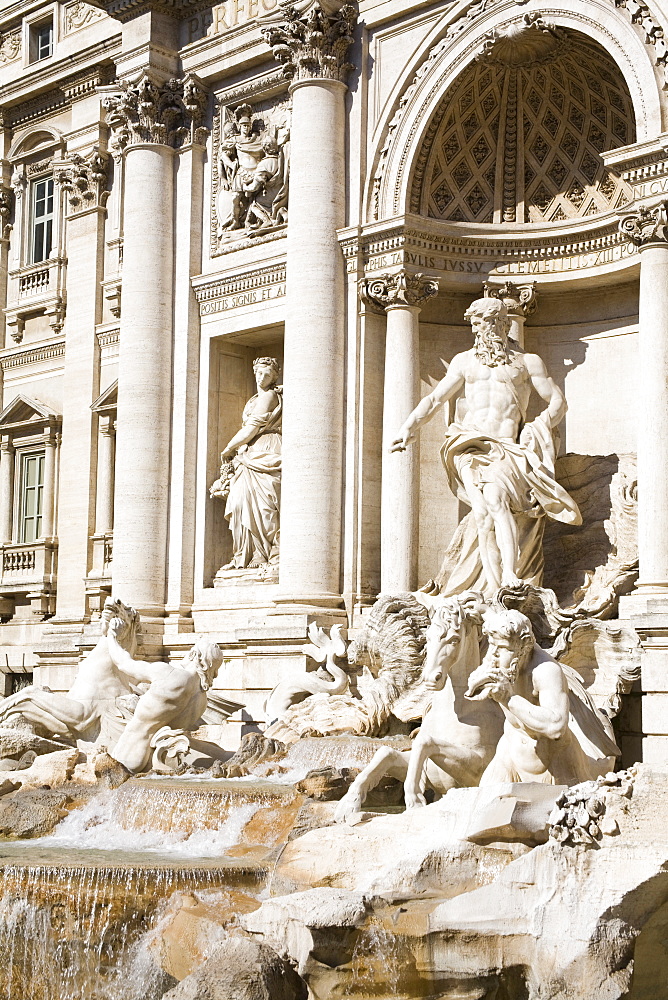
(519, 135)
(410, 119)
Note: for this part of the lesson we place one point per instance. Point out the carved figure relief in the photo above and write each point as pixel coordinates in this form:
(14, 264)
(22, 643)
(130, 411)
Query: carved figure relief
(250, 476)
(251, 171)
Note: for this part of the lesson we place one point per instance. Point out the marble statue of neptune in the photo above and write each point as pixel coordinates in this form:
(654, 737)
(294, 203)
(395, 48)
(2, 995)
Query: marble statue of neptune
(251, 474)
(500, 466)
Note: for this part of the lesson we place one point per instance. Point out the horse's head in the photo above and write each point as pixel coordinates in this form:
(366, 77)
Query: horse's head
(113, 608)
(450, 622)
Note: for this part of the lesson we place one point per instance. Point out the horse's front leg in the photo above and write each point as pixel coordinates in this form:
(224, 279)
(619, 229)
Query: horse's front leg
(423, 747)
(386, 762)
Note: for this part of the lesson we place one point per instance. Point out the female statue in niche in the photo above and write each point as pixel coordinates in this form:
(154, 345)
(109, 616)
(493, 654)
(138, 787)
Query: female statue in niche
(250, 475)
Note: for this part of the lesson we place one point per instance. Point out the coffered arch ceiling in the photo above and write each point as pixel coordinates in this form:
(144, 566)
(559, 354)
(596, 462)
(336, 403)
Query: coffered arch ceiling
(518, 136)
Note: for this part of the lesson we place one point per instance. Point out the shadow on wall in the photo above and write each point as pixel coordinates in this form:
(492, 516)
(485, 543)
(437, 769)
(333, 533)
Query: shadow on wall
(571, 552)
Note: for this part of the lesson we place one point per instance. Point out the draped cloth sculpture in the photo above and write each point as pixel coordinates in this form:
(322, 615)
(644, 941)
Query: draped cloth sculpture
(499, 465)
(251, 481)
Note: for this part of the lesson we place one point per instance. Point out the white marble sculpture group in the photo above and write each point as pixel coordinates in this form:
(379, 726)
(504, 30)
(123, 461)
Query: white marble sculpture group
(495, 706)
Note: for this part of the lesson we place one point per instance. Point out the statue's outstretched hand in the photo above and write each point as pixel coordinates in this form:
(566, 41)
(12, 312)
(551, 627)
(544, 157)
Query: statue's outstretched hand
(401, 441)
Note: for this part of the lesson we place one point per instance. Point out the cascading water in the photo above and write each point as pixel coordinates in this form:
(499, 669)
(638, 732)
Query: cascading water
(80, 932)
(78, 908)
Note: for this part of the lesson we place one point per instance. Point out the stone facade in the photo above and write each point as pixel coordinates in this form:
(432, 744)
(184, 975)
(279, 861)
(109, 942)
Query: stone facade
(186, 188)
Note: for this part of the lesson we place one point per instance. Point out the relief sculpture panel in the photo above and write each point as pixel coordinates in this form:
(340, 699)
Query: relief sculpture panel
(251, 172)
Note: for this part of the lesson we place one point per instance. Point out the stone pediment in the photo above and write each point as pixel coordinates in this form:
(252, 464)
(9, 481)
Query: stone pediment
(107, 401)
(23, 411)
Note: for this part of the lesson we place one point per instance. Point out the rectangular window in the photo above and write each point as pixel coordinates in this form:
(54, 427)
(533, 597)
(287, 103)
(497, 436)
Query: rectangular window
(42, 219)
(41, 41)
(32, 497)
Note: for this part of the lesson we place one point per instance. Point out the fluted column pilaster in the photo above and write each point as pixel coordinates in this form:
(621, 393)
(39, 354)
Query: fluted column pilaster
(7, 461)
(648, 229)
(312, 48)
(149, 123)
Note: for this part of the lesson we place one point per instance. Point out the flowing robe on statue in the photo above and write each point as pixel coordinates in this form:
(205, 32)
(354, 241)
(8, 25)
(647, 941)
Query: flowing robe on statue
(253, 503)
(526, 473)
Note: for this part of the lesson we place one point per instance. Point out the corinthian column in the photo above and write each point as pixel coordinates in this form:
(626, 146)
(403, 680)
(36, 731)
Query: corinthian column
(149, 122)
(401, 295)
(519, 300)
(312, 48)
(648, 229)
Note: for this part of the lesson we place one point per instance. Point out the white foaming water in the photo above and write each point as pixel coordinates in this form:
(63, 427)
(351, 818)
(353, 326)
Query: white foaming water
(97, 826)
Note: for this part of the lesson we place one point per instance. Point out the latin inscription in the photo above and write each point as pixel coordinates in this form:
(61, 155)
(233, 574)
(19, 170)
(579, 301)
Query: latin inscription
(226, 16)
(464, 265)
(249, 298)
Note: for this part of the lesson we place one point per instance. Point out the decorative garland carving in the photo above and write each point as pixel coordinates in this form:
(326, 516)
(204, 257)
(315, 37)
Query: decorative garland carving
(85, 180)
(10, 45)
(6, 199)
(653, 31)
(170, 115)
(80, 14)
(313, 45)
(582, 814)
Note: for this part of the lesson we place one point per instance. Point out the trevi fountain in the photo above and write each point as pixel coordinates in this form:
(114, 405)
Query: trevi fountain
(334, 500)
(436, 811)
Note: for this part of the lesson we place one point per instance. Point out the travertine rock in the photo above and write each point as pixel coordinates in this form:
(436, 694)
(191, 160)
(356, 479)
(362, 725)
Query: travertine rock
(326, 784)
(564, 921)
(416, 852)
(302, 923)
(192, 927)
(591, 565)
(51, 769)
(15, 742)
(242, 969)
(32, 813)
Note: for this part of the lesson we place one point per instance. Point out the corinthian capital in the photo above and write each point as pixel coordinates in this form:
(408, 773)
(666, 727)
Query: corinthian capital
(518, 299)
(399, 289)
(170, 114)
(313, 45)
(647, 225)
(85, 180)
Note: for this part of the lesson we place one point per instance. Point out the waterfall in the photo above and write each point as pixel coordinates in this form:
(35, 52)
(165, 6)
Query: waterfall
(81, 933)
(78, 908)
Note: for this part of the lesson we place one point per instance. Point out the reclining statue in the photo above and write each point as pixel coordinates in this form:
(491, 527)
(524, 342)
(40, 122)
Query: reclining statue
(176, 696)
(90, 711)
